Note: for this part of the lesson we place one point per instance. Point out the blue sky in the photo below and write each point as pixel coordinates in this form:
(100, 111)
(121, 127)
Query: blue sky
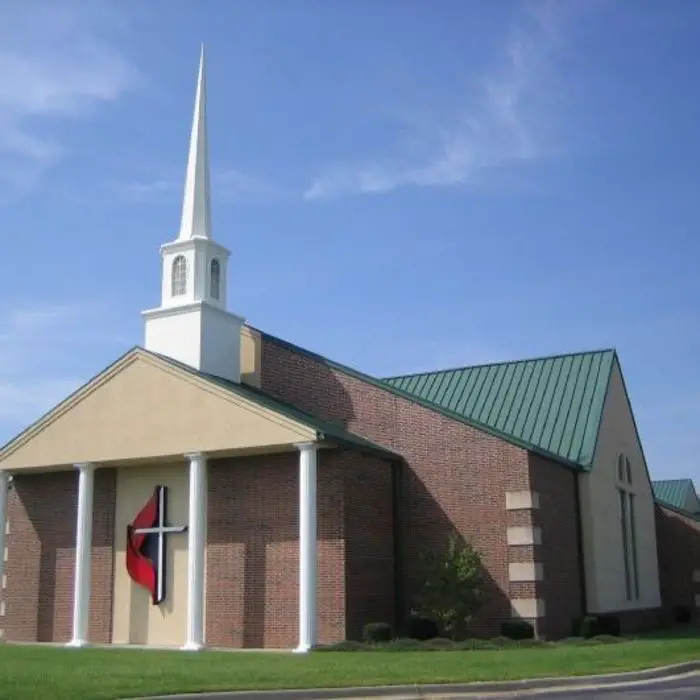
(404, 185)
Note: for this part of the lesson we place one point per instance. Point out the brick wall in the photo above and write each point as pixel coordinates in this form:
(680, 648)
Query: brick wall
(253, 547)
(560, 550)
(678, 542)
(369, 539)
(42, 512)
(455, 476)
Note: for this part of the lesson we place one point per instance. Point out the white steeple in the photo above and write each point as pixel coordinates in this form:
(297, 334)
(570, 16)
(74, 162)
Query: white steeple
(196, 217)
(191, 324)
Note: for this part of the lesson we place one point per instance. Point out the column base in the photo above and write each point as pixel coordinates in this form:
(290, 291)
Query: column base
(302, 649)
(192, 646)
(77, 643)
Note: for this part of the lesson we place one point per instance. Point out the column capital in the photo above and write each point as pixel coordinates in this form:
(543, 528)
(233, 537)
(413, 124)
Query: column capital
(195, 455)
(307, 446)
(85, 466)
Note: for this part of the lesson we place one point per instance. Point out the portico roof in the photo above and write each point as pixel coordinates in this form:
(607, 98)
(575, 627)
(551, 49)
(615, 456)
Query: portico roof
(146, 407)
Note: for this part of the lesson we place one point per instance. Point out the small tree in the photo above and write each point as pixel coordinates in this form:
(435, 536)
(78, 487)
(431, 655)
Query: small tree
(451, 591)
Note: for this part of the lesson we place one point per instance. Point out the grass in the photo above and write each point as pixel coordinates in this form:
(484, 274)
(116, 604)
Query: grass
(28, 672)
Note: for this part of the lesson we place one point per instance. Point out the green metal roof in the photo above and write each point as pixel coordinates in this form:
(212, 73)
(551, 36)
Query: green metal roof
(673, 492)
(554, 400)
(552, 404)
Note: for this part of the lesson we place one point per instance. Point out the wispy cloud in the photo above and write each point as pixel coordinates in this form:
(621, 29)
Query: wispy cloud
(57, 63)
(505, 121)
(38, 346)
(228, 185)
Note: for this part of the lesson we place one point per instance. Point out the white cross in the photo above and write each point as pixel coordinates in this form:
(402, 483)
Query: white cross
(161, 529)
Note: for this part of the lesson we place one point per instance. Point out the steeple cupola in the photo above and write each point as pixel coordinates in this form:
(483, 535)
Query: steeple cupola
(191, 324)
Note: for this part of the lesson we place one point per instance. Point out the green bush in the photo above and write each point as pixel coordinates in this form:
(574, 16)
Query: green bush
(347, 645)
(502, 641)
(681, 614)
(533, 643)
(422, 628)
(439, 644)
(586, 627)
(451, 590)
(609, 625)
(476, 645)
(374, 632)
(404, 644)
(517, 629)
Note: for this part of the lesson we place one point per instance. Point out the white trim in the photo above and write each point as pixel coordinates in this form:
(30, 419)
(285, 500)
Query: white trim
(83, 555)
(308, 543)
(196, 550)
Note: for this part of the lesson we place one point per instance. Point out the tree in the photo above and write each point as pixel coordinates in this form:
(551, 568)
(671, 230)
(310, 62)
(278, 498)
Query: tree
(451, 591)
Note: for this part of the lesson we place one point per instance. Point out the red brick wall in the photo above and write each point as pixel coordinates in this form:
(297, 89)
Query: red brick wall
(369, 539)
(456, 476)
(678, 543)
(253, 548)
(41, 557)
(560, 549)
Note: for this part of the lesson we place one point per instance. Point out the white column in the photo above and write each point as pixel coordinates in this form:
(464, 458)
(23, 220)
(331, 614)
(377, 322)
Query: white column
(196, 542)
(307, 547)
(83, 550)
(4, 483)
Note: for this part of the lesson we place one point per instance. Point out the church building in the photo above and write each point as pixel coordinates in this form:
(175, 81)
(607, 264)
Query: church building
(222, 487)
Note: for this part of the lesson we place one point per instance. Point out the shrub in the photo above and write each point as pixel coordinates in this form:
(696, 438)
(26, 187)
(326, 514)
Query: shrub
(422, 628)
(347, 645)
(518, 629)
(681, 614)
(502, 641)
(451, 590)
(586, 627)
(374, 632)
(404, 644)
(533, 643)
(607, 639)
(439, 644)
(609, 625)
(476, 645)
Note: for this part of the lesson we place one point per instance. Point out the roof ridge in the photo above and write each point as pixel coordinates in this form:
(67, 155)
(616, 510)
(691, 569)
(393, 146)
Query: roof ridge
(671, 481)
(541, 358)
(430, 405)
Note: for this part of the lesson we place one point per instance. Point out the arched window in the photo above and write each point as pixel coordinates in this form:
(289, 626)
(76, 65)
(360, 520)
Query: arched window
(215, 279)
(178, 280)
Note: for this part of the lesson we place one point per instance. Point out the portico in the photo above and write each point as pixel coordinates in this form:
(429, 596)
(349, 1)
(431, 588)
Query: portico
(110, 425)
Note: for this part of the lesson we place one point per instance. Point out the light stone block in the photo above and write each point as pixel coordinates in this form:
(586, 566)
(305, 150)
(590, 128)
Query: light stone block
(524, 534)
(525, 571)
(522, 500)
(528, 608)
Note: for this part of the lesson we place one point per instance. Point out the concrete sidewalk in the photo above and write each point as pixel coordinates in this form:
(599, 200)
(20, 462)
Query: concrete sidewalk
(455, 690)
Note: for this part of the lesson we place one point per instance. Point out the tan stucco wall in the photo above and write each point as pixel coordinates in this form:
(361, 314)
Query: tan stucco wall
(251, 356)
(600, 512)
(135, 619)
(145, 408)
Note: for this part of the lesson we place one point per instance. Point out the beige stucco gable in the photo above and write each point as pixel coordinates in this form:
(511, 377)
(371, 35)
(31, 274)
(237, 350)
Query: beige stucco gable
(143, 407)
(601, 511)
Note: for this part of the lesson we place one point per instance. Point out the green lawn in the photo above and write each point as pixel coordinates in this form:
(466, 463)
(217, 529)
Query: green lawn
(102, 674)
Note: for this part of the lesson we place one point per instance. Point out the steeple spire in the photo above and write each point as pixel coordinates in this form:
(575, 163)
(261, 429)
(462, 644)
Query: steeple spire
(196, 218)
(192, 324)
